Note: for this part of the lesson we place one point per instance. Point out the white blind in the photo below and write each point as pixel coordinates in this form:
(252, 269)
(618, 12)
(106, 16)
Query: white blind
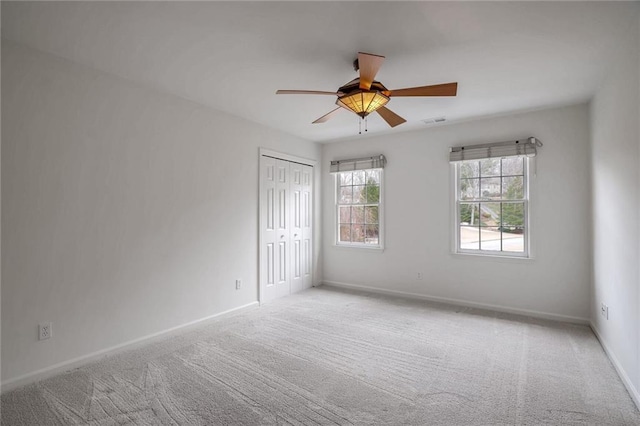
(523, 147)
(375, 162)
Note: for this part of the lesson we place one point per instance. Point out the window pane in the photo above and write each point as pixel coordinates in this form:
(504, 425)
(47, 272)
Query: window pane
(359, 195)
(372, 234)
(373, 177)
(373, 194)
(469, 214)
(345, 214)
(345, 195)
(489, 214)
(469, 237)
(513, 215)
(345, 233)
(357, 214)
(346, 178)
(358, 177)
(371, 214)
(490, 188)
(357, 233)
(469, 169)
(513, 188)
(490, 167)
(513, 166)
(490, 238)
(513, 239)
(469, 189)
(497, 223)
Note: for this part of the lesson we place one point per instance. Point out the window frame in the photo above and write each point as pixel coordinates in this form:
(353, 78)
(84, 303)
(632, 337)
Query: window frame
(336, 214)
(526, 200)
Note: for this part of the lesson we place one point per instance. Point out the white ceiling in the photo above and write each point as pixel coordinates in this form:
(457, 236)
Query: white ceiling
(233, 56)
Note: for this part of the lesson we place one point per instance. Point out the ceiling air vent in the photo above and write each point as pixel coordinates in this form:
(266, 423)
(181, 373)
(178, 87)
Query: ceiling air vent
(434, 120)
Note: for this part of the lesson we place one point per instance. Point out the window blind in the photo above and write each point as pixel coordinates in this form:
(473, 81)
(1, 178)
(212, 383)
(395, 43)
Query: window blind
(523, 147)
(375, 162)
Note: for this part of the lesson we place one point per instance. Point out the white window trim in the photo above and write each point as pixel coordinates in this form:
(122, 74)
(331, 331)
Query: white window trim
(336, 214)
(529, 165)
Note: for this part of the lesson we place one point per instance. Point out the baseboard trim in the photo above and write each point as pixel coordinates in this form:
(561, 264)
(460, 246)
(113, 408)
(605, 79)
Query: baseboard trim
(80, 361)
(460, 302)
(635, 395)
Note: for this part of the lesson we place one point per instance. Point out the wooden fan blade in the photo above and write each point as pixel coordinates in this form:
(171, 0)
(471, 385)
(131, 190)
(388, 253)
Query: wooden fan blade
(448, 89)
(326, 116)
(306, 92)
(369, 65)
(390, 117)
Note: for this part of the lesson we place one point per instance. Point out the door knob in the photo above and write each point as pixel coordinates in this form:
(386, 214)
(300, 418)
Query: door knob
(281, 236)
(295, 235)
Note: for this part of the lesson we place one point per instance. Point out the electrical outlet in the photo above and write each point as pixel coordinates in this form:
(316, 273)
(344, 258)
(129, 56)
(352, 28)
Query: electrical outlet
(238, 284)
(45, 331)
(604, 310)
(420, 276)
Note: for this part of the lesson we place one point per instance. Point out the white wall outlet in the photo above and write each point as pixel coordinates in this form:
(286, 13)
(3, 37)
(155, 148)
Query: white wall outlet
(45, 331)
(604, 310)
(238, 284)
(420, 276)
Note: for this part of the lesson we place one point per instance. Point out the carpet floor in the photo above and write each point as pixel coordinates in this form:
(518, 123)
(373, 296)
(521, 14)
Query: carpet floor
(329, 356)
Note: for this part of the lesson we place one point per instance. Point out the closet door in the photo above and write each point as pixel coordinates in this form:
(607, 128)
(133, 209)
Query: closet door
(296, 221)
(307, 226)
(275, 215)
(286, 223)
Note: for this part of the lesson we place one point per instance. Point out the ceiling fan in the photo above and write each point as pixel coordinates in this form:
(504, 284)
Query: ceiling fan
(364, 95)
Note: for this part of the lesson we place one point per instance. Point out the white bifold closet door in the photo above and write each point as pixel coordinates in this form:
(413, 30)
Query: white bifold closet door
(286, 220)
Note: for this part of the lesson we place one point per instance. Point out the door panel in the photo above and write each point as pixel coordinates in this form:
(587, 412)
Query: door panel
(271, 207)
(271, 267)
(297, 259)
(297, 207)
(268, 261)
(296, 226)
(282, 286)
(282, 266)
(307, 226)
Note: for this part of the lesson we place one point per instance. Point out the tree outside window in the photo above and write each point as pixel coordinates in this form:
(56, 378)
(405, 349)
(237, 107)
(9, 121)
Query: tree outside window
(359, 207)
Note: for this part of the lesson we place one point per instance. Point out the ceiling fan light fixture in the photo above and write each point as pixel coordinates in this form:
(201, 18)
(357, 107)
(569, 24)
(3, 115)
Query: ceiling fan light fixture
(363, 102)
(364, 94)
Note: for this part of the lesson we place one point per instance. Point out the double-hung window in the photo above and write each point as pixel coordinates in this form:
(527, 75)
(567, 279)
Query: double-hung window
(358, 207)
(492, 198)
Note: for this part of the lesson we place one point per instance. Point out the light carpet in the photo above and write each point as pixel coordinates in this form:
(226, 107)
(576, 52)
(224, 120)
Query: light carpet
(329, 356)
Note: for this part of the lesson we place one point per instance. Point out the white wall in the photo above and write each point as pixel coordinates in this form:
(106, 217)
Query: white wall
(615, 144)
(125, 211)
(419, 217)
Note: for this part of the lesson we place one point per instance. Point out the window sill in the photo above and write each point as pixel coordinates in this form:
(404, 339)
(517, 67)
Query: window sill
(493, 257)
(374, 249)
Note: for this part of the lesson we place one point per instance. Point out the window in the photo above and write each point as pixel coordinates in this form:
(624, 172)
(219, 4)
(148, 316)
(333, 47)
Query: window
(492, 206)
(358, 208)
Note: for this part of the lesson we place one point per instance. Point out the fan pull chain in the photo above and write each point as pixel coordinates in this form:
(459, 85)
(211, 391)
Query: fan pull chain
(366, 125)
